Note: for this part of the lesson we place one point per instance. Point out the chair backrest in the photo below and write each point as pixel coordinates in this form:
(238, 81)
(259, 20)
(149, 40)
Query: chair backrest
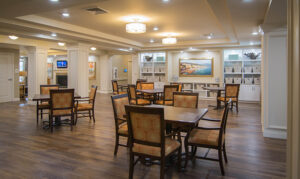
(45, 89)
(224, 123)
(146, 126)
(92, 94)
(232, 90)
(147, 85)
(138, 83)
(118, 103)
(168, 92)
(115, 86)
(186, 100)
(62, 100)
(179, 86)
(132, 92)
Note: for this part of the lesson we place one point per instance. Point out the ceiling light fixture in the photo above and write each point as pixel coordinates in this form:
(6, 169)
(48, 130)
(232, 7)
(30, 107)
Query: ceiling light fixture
(155, 28)
(135, 28)
(169, 40)
(165, 1)
(209, 36)
(65, 14)
(151, 41)
(13, 37)
(61, 44)
(251, 43)
(254, 33)
(54, 0)
(93, 48)
(53, 35)
(130, 49)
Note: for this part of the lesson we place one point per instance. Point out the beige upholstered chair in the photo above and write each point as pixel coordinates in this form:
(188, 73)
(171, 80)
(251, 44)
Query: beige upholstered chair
(61, 104)
(211, 138)
(44, 105)
(231, 92)
(185, 100)
(134, 98)
(118, 103)
(116, 88)
(146, 127)
(168, 95)
(85, 107)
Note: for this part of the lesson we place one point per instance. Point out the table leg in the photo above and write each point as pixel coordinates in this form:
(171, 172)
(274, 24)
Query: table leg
(218, 102)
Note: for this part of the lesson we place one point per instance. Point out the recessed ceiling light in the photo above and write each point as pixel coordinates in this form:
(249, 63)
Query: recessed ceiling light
(53, 35)
(165, 1)
(247, 1)
(130, 49)
(54, 0)
(151, 41)
(251, 43)
(155, 28)
(93, 48)
(65, 14)
(61, 44)
(254, 33)
(13, 37)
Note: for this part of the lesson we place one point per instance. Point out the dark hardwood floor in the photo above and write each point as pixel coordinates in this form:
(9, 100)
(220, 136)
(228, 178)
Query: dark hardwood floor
(28, 151)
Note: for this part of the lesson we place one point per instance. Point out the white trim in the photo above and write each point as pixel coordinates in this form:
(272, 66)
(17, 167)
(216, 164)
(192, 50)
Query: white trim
(104, 91)
(16, 99)
(275, 133)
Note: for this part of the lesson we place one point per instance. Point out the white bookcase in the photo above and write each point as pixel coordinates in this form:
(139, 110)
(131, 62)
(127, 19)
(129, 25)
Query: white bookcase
(153, 66)
(241, 69)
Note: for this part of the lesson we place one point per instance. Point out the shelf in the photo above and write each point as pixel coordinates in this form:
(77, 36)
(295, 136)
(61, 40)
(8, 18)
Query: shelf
(147, 72)
(233, 73)
(252, 73)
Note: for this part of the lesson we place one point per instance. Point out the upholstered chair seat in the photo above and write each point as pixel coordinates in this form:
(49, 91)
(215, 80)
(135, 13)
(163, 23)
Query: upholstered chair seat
(123, 129)
(140, 101)
(120, 92)
(84, 106)
(170, 146)
(204, 137)
(227, 99)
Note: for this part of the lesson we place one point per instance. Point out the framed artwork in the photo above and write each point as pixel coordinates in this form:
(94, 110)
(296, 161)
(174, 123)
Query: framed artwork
(92, 70)
(195, 67)
(115, 73)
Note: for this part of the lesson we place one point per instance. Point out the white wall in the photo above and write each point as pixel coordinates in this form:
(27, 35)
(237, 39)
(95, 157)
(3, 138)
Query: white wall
(173, 66)
(274, 86)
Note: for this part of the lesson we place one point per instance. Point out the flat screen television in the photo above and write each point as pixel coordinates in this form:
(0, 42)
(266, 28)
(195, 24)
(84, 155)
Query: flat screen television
(62, 64)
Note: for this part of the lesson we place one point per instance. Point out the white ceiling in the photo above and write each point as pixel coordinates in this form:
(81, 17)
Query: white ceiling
(231, 21)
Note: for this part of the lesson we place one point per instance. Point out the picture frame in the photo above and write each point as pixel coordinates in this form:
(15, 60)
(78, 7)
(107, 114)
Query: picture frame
(92, 70)
(196, 67)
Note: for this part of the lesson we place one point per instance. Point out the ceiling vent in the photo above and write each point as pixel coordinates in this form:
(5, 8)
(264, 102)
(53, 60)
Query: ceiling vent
(96, 10)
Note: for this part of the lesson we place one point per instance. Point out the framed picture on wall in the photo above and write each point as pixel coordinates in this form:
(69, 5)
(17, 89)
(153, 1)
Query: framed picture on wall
(196, 67)
(92, 70)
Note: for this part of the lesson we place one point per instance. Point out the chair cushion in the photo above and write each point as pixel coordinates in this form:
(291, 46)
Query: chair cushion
(120, 92)
(170, 146)
(140, 101)
(123, 129)
(161, 102)
(204, 137)
(61, 112)
(84, 106)
(227, 99)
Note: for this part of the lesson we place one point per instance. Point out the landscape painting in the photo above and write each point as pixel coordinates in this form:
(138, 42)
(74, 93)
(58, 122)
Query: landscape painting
(196, 67)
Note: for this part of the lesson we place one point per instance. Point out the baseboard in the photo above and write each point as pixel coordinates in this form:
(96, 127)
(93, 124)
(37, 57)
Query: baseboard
(275, 133)
(16, 99)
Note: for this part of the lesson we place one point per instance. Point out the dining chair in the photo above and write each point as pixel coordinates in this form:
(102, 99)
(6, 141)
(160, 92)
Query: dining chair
(44, 105)
(118, 103)
(85, 106)
(61, 105)
(147, 86)
(231, 92)
(179, 86)
(134, 98)
(167, 98)
(116, 88)
(147, 138)
(185, 99)
(210, 138)
(138, 85)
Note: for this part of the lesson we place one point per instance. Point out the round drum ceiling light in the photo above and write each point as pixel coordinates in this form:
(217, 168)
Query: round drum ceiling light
(169, 40)
(135, 28)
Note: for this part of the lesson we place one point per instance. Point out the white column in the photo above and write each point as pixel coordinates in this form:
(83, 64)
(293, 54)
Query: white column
(105, 73)
(37, 69)
(135, 68)
(274, 85)
(78, 75)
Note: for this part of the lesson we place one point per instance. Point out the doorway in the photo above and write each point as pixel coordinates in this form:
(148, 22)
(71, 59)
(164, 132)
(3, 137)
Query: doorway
(6, 77)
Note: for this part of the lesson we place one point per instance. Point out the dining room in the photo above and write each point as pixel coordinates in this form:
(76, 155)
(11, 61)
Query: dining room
(148, 89)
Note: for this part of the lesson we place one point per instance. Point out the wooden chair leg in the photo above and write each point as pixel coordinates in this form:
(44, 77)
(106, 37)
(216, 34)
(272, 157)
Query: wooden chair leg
(90, 115)
(116, 144)
(224, 153)
(42, 114)
(72, 122)
(76, 117)
(131, 165)
(51, 123)
(186, 153)
(237, 106)
(179, 159)
(221, 161)
(37, 116)
(162, 168)
(94, 116)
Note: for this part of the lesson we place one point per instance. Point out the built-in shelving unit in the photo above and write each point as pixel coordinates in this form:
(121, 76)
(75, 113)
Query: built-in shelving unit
(241, 69)
(153, 66)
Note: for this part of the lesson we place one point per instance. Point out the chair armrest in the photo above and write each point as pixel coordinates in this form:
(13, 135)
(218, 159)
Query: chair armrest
(211, 120)
(206, 128)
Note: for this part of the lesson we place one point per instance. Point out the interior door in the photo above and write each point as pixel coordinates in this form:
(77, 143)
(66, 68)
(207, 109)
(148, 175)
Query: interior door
(6, 77)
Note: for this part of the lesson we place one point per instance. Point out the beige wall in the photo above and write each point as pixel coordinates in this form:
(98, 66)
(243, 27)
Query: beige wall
(173, 66)
(121, 62)
(16, 54)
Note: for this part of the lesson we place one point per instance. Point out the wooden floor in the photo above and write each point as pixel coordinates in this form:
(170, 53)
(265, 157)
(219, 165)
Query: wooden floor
(28, 151)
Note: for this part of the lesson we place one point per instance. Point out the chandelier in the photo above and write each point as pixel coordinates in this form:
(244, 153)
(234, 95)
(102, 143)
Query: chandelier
(169, 40)
(135, 28)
